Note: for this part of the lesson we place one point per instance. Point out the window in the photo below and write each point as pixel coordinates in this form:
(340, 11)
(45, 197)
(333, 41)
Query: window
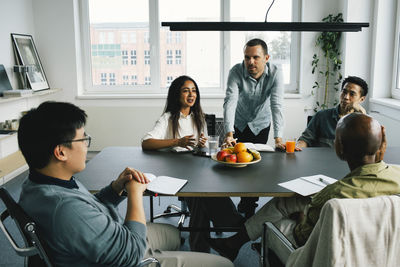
(103, 78)
(169, 80)
(169, 57)
(147, 57)
(111, 78)
(178, 36)
(125, 79)
(119, 36)
(147, 80)
(133, 57)
(178, 57)
(396, 69)
(134, 80)
(169, 37)
(124, 57)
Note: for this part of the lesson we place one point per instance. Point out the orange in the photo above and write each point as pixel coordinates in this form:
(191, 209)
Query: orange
(244, 157)
(239, 147)
(228, 149)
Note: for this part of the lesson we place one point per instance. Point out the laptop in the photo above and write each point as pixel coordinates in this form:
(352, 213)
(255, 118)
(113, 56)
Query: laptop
(4, 81)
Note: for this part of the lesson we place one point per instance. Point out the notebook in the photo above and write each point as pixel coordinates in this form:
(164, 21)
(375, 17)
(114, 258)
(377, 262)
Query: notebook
(4, 81)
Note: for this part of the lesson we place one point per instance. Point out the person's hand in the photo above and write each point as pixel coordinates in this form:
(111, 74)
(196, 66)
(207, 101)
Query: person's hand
(202, 140)
(355, 107)
(279, 144)
(229, 140)
(127, 175)
(187, 142)
(297, 148)
(382, 149)
(134, 187)
(358, 108)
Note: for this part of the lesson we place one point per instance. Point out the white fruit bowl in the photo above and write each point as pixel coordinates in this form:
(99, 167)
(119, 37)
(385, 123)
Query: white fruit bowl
(233, 164)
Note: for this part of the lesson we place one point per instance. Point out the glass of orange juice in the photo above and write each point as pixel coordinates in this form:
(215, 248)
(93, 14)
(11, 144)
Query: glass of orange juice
(290, 145)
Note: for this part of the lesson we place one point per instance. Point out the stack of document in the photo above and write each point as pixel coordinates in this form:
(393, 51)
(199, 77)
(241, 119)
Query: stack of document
(308, 185)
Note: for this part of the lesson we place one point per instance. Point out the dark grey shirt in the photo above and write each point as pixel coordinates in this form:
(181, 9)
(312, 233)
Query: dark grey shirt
(82, 229)
(321, 129)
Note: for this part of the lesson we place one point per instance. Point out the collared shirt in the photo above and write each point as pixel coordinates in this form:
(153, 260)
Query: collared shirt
(251, 102)
(163, 128)
(369, 180)
(321, 129)
(40, 178)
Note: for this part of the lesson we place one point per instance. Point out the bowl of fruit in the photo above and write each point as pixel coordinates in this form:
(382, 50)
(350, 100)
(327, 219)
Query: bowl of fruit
(237, 156)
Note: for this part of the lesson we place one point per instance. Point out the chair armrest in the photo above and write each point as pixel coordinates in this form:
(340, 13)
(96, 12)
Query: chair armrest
(276, 241)
(148, 261)
(22, 251)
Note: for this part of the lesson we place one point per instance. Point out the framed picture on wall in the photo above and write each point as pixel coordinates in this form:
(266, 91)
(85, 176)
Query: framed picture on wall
(27, 55)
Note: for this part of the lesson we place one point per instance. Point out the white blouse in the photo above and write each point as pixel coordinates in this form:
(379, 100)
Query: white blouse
(163, 129)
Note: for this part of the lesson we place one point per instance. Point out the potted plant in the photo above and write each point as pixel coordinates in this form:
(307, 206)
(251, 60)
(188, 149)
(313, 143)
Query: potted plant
(326, 64)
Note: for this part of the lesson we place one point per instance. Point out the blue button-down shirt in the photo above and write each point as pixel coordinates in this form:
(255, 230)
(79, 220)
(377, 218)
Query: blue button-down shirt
(251, 102)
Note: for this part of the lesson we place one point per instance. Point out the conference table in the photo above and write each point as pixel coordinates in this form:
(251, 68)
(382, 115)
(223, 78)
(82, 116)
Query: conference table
(208, 178)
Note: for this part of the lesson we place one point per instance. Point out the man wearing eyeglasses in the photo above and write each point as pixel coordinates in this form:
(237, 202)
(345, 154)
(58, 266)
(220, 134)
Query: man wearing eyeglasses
(79, 228)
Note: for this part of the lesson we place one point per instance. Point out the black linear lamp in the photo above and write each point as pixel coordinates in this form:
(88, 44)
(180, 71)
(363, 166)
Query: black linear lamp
(265, 26)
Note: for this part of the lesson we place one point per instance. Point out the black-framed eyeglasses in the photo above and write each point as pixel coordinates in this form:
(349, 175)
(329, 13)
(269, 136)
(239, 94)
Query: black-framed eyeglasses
(87, 140)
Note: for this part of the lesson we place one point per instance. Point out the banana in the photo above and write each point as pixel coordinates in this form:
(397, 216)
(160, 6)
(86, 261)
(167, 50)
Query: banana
(255, 153)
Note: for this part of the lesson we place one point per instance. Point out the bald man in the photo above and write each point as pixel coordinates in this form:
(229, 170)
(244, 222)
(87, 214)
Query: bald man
(360, 141)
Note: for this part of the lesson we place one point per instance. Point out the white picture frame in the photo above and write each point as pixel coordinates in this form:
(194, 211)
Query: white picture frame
(26, 54)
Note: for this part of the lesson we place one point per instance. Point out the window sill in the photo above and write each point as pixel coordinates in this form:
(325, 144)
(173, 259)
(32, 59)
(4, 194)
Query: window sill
(388, 102)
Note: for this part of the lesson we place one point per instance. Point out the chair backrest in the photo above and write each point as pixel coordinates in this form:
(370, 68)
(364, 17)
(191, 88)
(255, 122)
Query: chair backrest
(353, 232)
(34, 249)
(210, 120)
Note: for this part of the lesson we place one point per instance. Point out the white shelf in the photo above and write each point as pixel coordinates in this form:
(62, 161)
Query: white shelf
(35, 94)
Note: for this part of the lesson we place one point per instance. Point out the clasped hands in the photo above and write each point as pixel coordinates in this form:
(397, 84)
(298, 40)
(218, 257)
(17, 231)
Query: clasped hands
(133, 181)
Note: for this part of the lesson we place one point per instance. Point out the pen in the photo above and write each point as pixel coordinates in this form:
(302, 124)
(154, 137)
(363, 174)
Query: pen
(323, 181)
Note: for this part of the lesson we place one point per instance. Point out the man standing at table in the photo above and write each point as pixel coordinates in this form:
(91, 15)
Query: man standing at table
(360, 141)
(321, 129)
(254, 92)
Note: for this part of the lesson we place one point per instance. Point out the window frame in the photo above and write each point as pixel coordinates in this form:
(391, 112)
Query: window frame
(154, 35)
(396, 61)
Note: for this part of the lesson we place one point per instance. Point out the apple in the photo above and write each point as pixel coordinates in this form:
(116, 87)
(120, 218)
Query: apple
(221, 155)
(232, 158)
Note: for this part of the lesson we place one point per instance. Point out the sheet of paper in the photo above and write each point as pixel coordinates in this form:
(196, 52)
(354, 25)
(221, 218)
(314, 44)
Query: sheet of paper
(165, 185)
(308, 185)
(179, 149)
(260, 147)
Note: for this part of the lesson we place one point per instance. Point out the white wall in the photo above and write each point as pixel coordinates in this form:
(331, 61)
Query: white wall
(124, 121)
(16, 16)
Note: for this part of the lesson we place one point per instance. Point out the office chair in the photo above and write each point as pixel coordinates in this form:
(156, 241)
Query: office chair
(349, 232)
(183, 211)
(35, 247)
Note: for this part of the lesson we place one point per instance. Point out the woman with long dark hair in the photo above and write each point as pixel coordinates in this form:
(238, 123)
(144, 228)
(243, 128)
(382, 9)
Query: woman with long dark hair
(182, 125)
